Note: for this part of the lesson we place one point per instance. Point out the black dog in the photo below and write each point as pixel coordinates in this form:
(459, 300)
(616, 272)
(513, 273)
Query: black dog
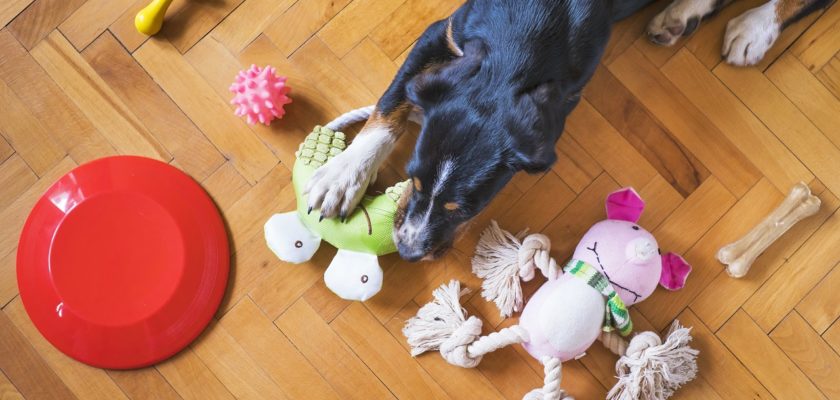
(495, 81)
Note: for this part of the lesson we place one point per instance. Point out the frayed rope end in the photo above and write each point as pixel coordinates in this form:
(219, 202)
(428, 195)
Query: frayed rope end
(652, 369)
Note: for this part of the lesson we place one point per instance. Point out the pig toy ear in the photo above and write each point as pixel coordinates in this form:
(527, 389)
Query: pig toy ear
(675, 270)
(625, 205)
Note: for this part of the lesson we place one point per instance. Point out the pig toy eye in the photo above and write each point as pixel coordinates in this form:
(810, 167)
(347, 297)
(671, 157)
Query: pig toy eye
(635, 228)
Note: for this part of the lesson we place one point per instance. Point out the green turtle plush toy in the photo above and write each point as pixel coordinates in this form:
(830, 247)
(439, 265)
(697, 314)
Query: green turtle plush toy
(354, 273)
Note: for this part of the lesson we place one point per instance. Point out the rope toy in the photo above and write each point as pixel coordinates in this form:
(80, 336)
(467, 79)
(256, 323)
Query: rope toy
(615, 265)
(294, 237)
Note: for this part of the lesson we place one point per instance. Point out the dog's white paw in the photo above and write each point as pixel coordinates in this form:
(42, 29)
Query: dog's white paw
(338, 186)
(750, 35)
(679, 19)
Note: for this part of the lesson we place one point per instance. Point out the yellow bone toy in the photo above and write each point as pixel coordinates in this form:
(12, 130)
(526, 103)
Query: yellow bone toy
(150, 19)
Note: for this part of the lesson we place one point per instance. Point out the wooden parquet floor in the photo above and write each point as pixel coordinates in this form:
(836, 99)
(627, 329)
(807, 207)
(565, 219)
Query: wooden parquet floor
(710, 147)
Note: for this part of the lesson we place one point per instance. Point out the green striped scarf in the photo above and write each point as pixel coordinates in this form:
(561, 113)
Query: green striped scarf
(616, 316)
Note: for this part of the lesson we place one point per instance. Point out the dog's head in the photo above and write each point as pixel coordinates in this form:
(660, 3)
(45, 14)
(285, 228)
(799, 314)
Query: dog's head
(478, 132)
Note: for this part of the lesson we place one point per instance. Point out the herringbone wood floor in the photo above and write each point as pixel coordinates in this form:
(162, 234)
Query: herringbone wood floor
(710, 147)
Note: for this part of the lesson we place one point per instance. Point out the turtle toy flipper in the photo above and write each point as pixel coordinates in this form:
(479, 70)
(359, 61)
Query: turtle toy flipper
(354, 273)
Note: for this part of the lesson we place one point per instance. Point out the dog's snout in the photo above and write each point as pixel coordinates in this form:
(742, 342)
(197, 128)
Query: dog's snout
(410, 242)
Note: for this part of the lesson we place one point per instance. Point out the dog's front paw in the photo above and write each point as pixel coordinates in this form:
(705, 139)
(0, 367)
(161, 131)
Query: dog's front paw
(750, 35)
(338, 186)
(679, 19)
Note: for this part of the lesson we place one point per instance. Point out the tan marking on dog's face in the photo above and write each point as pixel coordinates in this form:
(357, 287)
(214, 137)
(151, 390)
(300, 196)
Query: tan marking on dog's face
(450, 41)
(451, 206)
(418, 186)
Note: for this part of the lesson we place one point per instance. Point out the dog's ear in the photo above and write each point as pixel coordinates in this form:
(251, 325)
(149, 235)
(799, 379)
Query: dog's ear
(433, 85)
(535, 125)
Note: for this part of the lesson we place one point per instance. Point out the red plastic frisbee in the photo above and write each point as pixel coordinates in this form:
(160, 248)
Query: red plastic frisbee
(123, 262)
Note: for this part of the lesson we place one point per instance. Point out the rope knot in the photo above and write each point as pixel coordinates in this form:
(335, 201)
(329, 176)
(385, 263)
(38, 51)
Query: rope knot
(455, 348)
(534, 254)
(640, 343)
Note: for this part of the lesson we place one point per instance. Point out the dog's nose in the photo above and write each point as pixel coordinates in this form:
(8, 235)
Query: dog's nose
(410, 253)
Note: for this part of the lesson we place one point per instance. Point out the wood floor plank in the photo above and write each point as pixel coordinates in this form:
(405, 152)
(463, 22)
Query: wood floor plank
(233, 366)
(211, 114)
(718, 366)
(40, 18)
(10, 9)
(274, 353)
(160, 115)
(809, 352)
(6, 150)
(686, 122)
(765, 360)
(26, 134)
(832, 336)
(736, 121)
(286, 283)
(144, 384)
(788, 285)
(630, 117)
(8, 391)
(618, 158)
(820, 308)
(243, 219)
(696, 220)
(405, 24)
(25, 368)
(84, 381)
(329, 75)
(248, 21)
(830, 76)
(373, 67)
(550, 192)
(15, 178)
(47, 102)
(324, 349)
(91, 19)
(785, 121)
(574, 166)
(661, 200)
(382, 353)
(724, 295)
(821, 49)
(808, 94)
(402, 281)
(350, 26)
(191, 22)
(300, 21)
(96, 99)
(191, 378)
(225, 186)
(123, 27)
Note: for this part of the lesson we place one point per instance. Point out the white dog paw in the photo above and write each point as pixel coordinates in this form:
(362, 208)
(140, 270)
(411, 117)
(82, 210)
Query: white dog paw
(750, 35)
(338, 186)
(679, 19)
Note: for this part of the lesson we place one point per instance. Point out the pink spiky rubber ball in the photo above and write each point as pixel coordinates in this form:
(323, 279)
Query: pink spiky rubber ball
(260, 94)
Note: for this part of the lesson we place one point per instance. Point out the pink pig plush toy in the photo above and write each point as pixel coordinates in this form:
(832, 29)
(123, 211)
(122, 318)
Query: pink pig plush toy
(615, 265)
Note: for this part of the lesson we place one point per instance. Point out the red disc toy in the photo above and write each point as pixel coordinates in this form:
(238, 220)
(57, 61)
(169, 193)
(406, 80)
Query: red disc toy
(123, 262)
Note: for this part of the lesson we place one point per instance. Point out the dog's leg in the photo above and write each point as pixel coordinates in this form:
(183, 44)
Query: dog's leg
(750, 35)
(681, 18)
(338, 186)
